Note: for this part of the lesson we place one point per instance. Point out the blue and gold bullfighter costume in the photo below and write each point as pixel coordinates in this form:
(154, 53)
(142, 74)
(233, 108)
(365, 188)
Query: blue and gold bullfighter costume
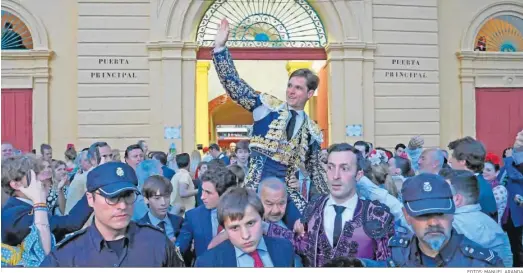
(273, 154)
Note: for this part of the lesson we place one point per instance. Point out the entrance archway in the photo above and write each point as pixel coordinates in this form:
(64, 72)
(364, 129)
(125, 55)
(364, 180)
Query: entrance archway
(25, 77)
(260, 30)
(490, 64)
(174, 52)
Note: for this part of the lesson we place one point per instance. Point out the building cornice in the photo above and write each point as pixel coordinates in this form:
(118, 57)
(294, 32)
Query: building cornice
(490, 56)
(26, 54)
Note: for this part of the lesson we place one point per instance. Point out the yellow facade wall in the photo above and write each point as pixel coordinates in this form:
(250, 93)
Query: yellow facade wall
(376, 39)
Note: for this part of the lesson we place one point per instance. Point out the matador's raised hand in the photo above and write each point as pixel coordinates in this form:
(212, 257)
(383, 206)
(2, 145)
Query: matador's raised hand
(223, 34)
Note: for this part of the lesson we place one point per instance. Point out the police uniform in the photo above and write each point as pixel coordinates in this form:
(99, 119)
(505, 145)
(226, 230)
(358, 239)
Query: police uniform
(430, 194)
(142, 246)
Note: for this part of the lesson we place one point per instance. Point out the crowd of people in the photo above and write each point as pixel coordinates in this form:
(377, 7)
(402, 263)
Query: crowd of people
(278, 200)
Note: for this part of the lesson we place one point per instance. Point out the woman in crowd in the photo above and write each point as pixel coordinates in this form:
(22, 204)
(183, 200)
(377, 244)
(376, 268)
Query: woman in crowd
(59, 186)
(400, 169)
(378, 172)
(54, 196)
(233, 159)
(70, 157)
(195, 160)
(39, 242)
(490, 173)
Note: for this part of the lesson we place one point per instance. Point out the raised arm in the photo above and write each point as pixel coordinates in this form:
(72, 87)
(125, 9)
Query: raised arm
(236, 88)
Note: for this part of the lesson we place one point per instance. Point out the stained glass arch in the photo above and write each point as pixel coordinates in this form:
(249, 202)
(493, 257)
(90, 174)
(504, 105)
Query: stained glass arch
(502, 33)
(15, 33)
(264, 23)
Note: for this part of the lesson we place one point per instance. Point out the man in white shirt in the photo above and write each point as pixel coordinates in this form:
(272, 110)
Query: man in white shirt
(183, 194)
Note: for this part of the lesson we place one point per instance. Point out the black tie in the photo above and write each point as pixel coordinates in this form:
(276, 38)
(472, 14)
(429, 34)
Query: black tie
(337, 224)
(162, 226)
(290, 126)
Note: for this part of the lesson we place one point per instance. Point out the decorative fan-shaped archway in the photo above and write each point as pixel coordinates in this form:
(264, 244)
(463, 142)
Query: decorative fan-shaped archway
(502, 33)
(264, 23)
(15, 34)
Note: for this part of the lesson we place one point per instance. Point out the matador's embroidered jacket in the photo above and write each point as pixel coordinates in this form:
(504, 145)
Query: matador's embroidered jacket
(271, 153)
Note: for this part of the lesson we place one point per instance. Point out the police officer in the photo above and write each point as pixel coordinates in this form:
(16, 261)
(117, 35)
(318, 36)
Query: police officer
(429, 209)
(113, 240)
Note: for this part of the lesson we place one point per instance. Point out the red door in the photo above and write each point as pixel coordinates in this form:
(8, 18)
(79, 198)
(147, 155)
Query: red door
(499, 117)
(17, 118)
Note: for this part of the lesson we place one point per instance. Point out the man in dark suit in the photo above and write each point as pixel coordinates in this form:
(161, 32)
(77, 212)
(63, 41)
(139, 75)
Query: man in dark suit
(240, 211)
(201, 223)
(157, 195)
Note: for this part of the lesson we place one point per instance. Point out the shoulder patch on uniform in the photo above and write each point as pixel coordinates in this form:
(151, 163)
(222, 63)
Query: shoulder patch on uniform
(479, 253)
(398, 241)
(271, 101)
(69, 237)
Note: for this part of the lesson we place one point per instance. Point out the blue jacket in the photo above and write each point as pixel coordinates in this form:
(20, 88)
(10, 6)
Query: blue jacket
(17, 220)
(514, 186)
(486, 197)
(199, 201)
(225, 159)
(281, 252)
(168, 172)
(146, 246)
(176, 221)
(197, 226)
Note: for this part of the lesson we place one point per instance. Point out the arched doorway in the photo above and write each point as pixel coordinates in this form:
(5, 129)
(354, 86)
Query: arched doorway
(25, 77)
(289, 34)
(492, 94)
(228, 122)
(175, 60)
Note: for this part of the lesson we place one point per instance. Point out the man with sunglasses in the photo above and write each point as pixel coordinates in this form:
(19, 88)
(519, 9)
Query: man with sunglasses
(114, 240)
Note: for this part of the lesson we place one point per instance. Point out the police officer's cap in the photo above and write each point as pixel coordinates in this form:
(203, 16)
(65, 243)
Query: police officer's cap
(427, 194)
(111, 179)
